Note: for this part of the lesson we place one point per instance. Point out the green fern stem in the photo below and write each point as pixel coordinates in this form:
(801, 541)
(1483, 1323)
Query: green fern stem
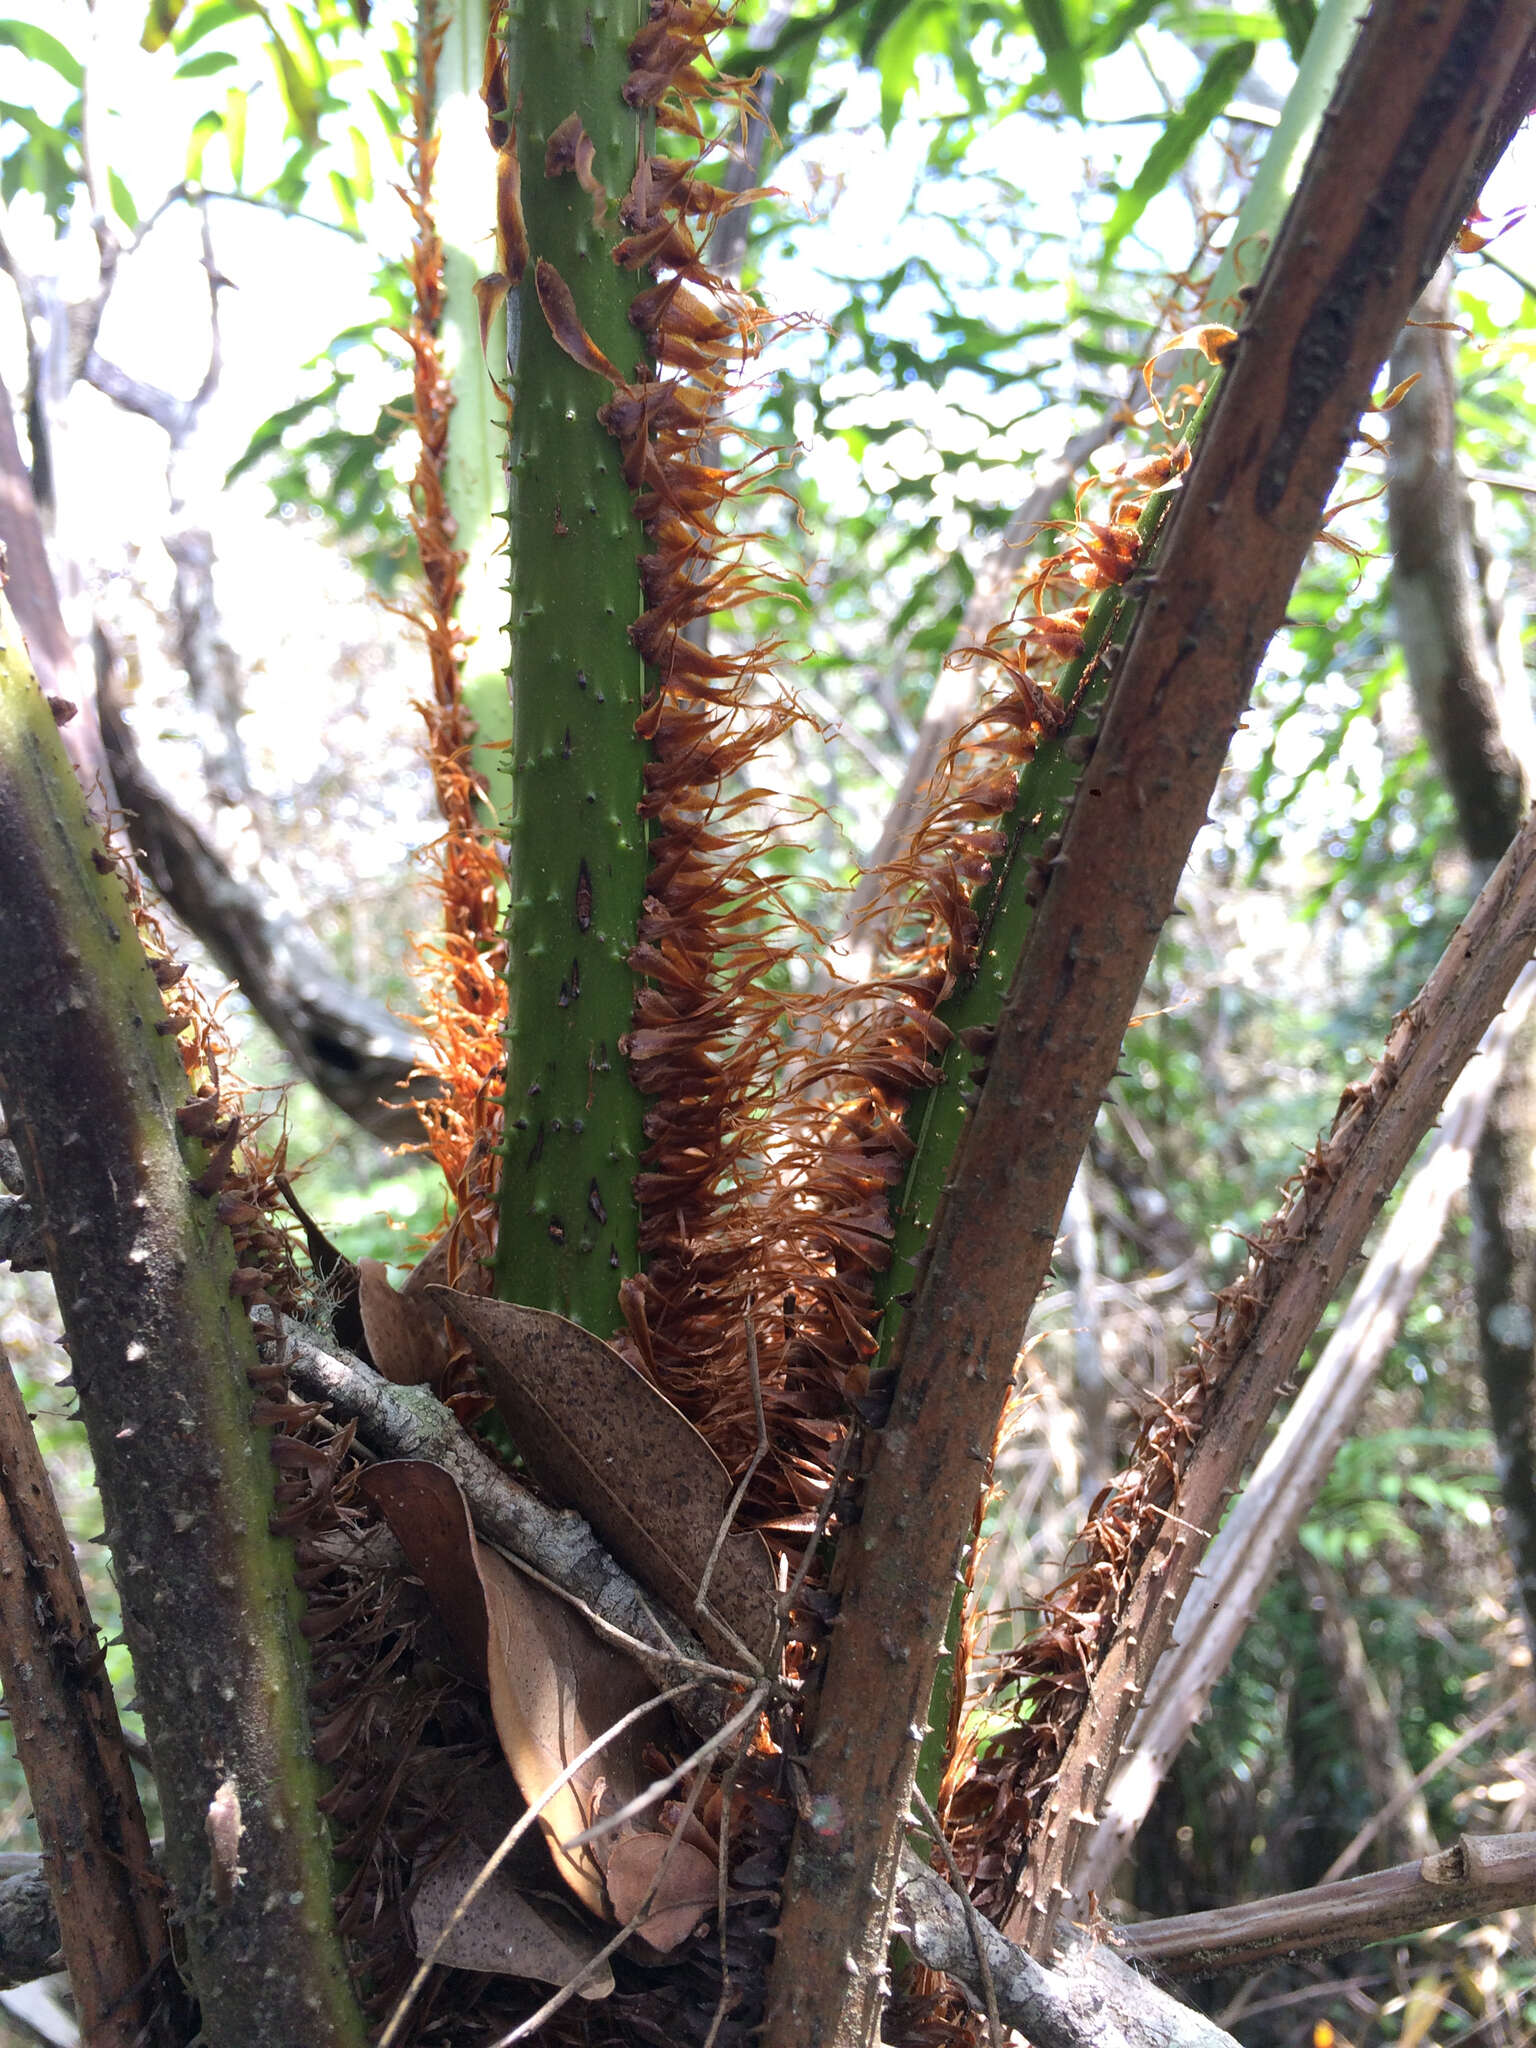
(577, 855)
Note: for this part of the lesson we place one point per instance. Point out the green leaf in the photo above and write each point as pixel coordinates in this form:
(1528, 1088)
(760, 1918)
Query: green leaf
(915, 26)
(235, 103)
(1296, 18)
(1183, 130)
(796, 32)
(822, 117)
(122, 201)
(206, 65)
(346, 198)
(1219, 25)
(1121, 25)
(204, 129)
(362, 164)
(207, 19)
(160, 25)
(269, 435)
(882, 18)
(1063, 64)
(43, 48)
(45, 164)
(298, 94)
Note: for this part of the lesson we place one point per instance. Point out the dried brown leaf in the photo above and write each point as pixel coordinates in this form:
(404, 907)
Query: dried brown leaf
(685, 1882)
(570, 148)
(406, 1341)
(500, 1931)
(597, 1433)
(554, 1683)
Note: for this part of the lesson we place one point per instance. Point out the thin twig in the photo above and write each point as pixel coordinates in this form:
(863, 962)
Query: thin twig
(722, 1892)
(633, 1924)
(742, 1718)
(1350, 1855)
(972, 1918)
(509, 1842)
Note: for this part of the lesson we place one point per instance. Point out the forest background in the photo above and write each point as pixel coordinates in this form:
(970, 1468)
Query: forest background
(980, 219)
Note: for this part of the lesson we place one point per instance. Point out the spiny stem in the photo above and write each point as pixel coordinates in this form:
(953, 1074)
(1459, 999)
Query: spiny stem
(577, 846)
(161, 1354)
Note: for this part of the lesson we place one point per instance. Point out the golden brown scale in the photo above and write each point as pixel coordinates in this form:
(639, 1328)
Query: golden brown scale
(464, 990)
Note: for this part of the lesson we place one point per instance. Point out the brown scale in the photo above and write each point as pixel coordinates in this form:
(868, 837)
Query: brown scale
(463, 967)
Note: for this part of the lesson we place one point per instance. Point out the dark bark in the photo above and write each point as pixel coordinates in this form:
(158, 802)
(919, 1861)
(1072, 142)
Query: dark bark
(1502, 1196)
(1378, 205)
(1468, 680)
(92, 1082)
(29, 1929)
(21, 1242)
(1449, 632)
(111, 1919)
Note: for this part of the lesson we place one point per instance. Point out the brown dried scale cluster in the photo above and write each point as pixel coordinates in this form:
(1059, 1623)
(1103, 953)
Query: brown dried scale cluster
(728, 1213)
(775, 1133)
(878, 1045)
(243, 1178)
(463, 979)
(995, 1797)
(994, 1791)
(925, 914)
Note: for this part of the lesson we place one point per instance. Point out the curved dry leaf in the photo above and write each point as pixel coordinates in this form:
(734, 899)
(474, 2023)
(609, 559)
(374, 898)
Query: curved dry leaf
(554, 1683)
(685, 1881)
(430, 1270)
(500, 1931)
(596, 1433)
(430, 1520)
(406, 1341)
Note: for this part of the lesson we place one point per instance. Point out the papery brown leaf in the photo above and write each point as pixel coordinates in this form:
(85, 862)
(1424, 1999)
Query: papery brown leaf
(554, 1683)
(500, 1931)
(596, 1433)
(685, 1881)
(427, 1514)
(406, 1340)
(430, 1270)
